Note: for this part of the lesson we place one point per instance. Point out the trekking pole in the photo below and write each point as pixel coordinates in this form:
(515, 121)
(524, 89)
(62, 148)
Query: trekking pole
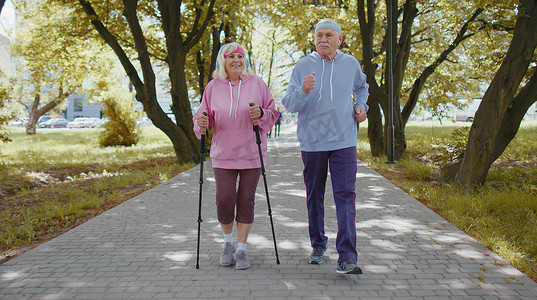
(258, 141)
(202, 152)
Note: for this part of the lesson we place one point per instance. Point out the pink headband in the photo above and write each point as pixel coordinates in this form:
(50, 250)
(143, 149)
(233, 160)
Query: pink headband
(238, 50)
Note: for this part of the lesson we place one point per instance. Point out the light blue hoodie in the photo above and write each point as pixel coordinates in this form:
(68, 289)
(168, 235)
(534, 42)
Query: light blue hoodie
(326, 115)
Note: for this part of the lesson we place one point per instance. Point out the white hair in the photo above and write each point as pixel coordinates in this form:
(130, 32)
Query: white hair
(220, 71)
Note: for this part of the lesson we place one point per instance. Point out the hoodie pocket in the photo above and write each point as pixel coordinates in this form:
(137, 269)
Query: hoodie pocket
(321, 126)
(234, 144)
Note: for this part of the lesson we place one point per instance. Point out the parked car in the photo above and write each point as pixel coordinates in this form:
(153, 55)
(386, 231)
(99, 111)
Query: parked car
(82, 123)
(54, 123)
(19, 123)
(43, 118)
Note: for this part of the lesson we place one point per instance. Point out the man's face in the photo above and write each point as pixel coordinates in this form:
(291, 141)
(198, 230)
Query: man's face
(326, 42)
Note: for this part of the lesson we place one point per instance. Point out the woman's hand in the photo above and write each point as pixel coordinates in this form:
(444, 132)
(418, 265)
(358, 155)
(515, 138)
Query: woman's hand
(202, 120)
(255, 111)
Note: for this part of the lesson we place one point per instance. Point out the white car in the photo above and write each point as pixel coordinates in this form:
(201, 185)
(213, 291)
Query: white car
(54, 123)
(82, 123)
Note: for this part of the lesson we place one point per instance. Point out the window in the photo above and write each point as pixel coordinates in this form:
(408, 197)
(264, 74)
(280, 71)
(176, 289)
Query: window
(78, 104)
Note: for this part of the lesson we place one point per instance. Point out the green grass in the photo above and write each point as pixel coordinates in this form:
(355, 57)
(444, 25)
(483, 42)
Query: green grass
(502, 214)
(58, 179)
(78, 147)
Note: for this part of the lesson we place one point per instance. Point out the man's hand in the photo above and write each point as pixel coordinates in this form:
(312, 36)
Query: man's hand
(360, 115)
(309, 83)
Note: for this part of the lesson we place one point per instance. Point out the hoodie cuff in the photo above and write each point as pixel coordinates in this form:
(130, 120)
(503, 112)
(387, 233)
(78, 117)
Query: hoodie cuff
(262, 112)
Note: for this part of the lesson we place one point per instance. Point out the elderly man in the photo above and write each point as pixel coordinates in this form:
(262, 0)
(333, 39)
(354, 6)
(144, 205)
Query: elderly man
(321, 90)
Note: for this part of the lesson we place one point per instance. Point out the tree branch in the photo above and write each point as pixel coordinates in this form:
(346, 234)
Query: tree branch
(420, 82)
(113, 43)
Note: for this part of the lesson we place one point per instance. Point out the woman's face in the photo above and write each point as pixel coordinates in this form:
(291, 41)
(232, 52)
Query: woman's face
(235, 64)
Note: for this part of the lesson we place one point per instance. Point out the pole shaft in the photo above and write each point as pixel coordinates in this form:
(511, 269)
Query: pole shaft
(202, 158)
(258, 141)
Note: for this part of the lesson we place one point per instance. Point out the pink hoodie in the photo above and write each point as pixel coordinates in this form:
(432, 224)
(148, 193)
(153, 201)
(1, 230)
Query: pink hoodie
(234, 144)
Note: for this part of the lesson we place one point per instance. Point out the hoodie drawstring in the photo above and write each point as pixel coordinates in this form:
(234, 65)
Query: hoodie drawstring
(322, 75)
(321, 88)
(231, 97)
(331, 73)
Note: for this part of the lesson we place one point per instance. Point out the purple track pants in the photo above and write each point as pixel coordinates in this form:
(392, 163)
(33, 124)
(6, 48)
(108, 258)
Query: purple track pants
(342, 164)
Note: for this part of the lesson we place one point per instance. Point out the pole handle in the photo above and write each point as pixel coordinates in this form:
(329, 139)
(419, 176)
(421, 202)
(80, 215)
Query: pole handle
(254, 120)
(204, 130)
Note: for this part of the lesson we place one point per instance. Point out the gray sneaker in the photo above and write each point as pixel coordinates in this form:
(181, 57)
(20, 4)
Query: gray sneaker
(242, 260)
(348, 266)
(317, 255)
(226, 258)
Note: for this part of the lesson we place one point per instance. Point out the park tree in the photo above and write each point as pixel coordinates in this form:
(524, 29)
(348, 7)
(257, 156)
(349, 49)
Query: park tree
(425, 40)
(507, 99)
(53, 63)
(137, 31)
(232, 21)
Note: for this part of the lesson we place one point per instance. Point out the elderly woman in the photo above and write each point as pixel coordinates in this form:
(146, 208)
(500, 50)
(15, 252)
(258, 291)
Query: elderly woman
(227, 103)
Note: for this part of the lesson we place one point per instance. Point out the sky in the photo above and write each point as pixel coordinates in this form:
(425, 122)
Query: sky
(7, 18)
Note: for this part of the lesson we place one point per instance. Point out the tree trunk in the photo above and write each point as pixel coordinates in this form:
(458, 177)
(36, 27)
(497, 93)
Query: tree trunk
(509, 128)
(402, 51)
(181, 135)
(202, 74)
(374, 129)
(380, 92)
(399, 135)
(33, 117)
(36, 112)
(514, 115)
(181, 109)
(486, 130)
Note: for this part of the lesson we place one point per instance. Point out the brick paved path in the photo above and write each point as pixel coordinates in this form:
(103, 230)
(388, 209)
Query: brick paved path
(146, 248)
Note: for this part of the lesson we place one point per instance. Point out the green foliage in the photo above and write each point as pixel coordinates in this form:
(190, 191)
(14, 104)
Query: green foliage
(119, 110)
(121, 129)
(4, 119)
(52, 55)
(5, 116)
(417, 171)
(54, 59)
(454, 147)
